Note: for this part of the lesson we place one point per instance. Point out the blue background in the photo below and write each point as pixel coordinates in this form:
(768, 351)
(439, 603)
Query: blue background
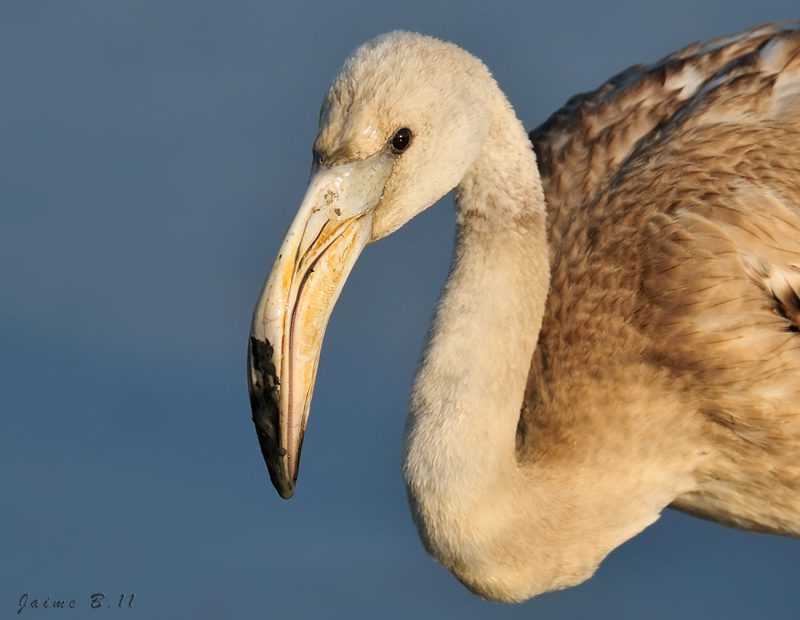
(152, 155)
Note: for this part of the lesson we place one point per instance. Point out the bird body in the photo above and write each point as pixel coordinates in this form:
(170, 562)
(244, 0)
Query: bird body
(687, 258)
(620, 330)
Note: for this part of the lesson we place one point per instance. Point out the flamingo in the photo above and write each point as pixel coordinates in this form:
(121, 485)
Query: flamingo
(620, 329)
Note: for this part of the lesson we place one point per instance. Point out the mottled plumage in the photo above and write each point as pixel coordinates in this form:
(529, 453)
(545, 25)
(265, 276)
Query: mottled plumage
(673, 196)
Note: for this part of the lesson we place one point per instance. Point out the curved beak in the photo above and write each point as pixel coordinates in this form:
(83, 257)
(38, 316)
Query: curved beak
(331, 228)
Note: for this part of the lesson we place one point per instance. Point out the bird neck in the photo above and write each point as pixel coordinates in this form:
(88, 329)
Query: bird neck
(460, 464)
(511, 528)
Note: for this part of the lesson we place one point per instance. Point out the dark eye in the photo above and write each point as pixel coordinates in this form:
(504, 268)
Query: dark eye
(401, 139)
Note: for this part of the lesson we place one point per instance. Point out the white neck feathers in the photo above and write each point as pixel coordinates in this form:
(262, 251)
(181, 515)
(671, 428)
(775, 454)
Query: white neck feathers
(460, 466)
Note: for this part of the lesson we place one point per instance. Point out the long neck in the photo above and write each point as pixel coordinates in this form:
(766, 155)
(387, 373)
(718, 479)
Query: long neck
(510, 530)
(460, 466)
(469, 390)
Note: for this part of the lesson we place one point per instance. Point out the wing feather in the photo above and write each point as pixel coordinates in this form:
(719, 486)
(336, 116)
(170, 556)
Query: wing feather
(673, 195)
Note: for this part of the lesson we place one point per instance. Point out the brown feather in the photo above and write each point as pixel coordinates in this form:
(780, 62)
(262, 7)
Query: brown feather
(673, 196)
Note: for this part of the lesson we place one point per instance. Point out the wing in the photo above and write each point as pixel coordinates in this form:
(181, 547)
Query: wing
(717, 304)
(674, 199)
(582, 145)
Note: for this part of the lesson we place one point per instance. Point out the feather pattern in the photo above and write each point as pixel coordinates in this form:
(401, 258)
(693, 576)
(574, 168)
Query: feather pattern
(673, 196)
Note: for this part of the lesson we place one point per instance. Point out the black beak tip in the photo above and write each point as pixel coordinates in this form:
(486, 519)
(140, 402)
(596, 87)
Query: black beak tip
(264, 390)
(283, 484)
(285, 492)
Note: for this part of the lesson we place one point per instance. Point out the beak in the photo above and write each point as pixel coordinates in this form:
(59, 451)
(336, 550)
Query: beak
(331, 228)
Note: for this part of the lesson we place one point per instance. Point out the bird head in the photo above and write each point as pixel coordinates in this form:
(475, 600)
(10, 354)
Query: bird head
(399, 128)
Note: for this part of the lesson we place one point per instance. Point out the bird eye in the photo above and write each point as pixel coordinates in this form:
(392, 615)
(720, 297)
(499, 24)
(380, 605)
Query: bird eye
(401, 139)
